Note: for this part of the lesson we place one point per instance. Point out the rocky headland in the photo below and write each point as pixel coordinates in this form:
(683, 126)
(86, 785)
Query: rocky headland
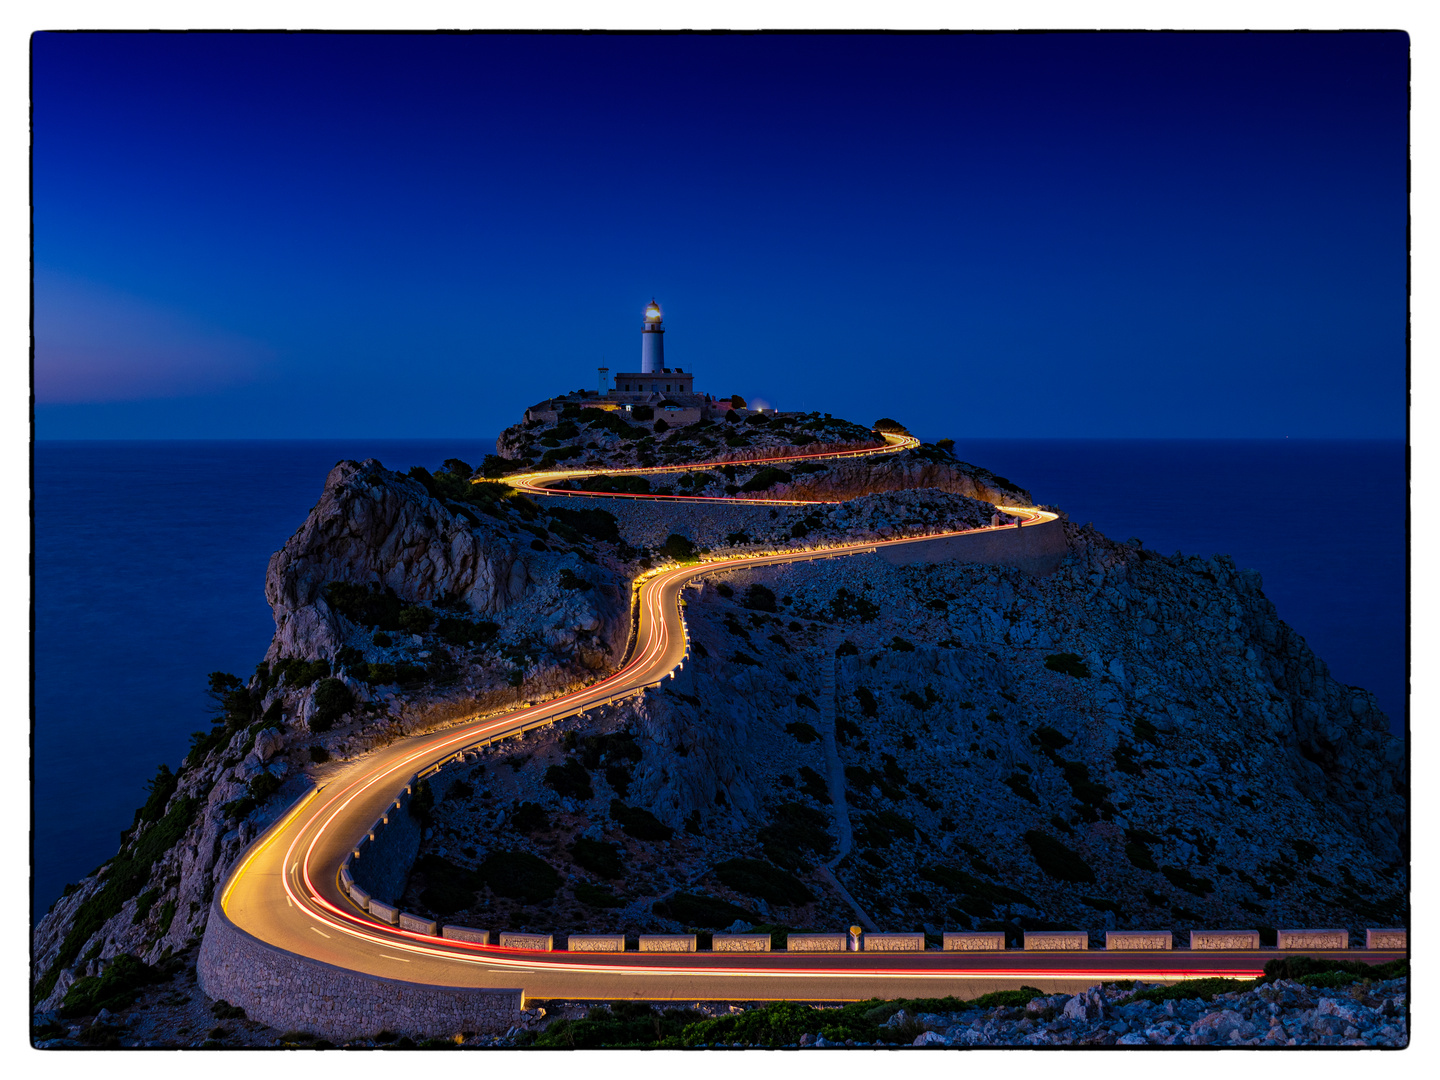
(1135, 741)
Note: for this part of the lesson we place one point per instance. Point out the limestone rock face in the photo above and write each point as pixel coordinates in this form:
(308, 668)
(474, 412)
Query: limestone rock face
(900, 472)
(373, 525)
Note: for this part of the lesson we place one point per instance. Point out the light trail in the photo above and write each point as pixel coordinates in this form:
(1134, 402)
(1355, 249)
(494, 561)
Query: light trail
(322, 829)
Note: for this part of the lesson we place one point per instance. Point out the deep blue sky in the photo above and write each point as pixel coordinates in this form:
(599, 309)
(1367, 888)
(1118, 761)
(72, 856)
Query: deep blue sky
(1062, 235)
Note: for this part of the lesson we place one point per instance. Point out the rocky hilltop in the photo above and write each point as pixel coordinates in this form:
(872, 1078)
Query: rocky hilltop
(1137, 740)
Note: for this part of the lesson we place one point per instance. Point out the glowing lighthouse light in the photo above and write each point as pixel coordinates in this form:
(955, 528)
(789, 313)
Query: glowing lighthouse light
(652, 341)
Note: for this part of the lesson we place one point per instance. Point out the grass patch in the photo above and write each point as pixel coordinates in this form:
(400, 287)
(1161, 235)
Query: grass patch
(114, 988)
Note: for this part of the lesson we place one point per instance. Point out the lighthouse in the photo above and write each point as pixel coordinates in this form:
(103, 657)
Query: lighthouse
(652, 341)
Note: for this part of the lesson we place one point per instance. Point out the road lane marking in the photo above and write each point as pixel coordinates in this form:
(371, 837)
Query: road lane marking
(400, 958)
(322, 933)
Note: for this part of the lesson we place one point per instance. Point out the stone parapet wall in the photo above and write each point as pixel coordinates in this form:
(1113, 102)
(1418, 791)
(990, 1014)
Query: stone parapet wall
(1386, 939)
(1036, 549)
(293, 992)
(740, 943)
(978, 941)
(667, 942)
(1056, 940)
(596, 943)
(1224, 939)
(466, 933)
(533, 942)
(1138, 940)
(894, 943)
(1312, 939)
(815, 943)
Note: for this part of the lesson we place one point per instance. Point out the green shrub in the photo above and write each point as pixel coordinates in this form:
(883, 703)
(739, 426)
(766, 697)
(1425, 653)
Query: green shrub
(1183, 879)
(814, 785)
(702, 911)
(1057, 860)
(557, 455)
(1049, 738)
(847, 648)
(415, 619)
(569, 779)
(755, 878)
(795, 828)
(868, 705)
(1139, 855)
(802, 731)
(624, 1024)
(632, 485)
(570, 580)
(596, 896)
(678, 547)
(639, 823)
(364, 606)
(759, 598)
(892, 426)
(530, 818)
(449, 887)
(519, 876)
(458, 631)
(598, 857)
(1019, 783)
(161, 787)
(223, 1010)
(143, 905)
(333, 699)
(845, 605)
(746, 659)
(114, 988)
(263, 786)
(1068, 663)
(599, 524)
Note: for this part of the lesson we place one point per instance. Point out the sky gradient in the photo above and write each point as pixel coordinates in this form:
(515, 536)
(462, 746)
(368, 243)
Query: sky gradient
(1066, 235)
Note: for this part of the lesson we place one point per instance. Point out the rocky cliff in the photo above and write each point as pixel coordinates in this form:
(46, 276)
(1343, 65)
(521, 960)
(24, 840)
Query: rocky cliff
(1136, 740)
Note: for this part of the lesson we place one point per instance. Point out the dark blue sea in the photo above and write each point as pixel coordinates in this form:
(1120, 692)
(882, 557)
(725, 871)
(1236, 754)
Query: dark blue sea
(150, 568)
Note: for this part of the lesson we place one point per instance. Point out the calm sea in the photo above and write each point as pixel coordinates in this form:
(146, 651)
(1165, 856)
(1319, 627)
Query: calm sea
(150, 569)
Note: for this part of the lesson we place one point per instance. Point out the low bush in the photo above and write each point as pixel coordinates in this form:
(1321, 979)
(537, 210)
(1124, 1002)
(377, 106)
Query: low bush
(569, 779)
(802, 732)
(333, 699)
(868, 705)
(1068, 664)
(598, 857)
(756, 878)
(814, 785)
(845, 605)
(796, 828)
(639, 823)
(530, 818)
(459, 631)
(1183, 879)
(677, 547)
(597, 524)
(705, 912)
(449, 887)
(1057, 860)
(114, 988)
(570, 580)
(759, 598)
(625, 485)
(364, 605)
(847, 648)
(596, 896)
(519, 876)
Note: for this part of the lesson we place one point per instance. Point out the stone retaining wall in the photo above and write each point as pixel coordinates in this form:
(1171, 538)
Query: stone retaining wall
(1036, 549)
(383, 865)
(293, 992)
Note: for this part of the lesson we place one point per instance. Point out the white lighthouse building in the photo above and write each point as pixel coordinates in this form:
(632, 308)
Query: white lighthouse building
(652, 341)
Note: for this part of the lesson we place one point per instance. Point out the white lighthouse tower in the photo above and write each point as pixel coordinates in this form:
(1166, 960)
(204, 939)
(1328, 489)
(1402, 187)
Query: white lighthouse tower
(652, 341)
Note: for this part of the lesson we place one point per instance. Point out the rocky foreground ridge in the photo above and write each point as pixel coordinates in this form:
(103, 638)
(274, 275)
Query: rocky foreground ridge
(1135, 741)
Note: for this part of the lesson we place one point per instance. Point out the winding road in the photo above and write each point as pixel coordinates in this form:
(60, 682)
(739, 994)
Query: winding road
(286, 889)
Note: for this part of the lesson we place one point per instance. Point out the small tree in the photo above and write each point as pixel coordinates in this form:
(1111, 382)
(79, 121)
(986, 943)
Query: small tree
(737, 401)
